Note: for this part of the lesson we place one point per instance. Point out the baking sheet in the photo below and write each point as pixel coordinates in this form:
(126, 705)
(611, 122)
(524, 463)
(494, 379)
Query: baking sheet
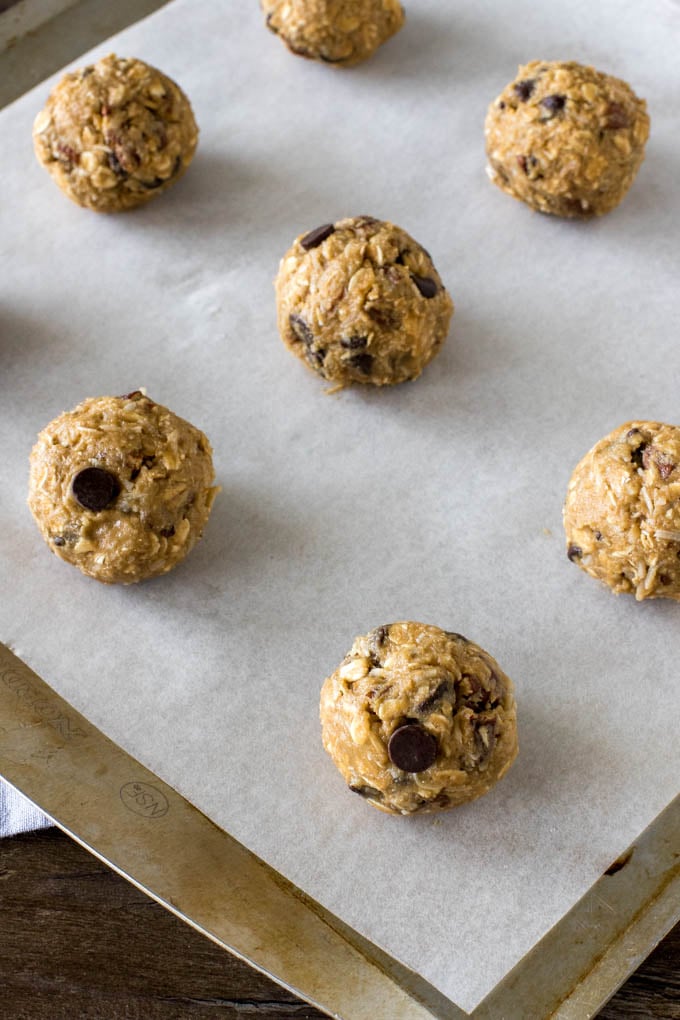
(438, 501)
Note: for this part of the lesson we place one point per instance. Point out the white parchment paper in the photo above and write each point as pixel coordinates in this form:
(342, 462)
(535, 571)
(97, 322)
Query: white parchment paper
(437, 501)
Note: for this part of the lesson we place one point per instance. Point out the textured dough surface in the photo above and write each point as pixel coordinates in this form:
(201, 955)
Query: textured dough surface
(163, 467)
(622, 512)
(412, 673)
(115, 134)
(364, 305)
(566, 139)
(342, 32)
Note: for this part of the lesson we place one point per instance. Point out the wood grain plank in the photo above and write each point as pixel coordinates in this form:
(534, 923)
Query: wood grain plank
(76, 940)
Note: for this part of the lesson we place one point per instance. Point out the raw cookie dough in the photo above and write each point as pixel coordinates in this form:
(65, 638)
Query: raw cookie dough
(342, 32)
(622, 512)
(418, 719)
(115, 134)
(566, 139)
(121, 487)
(360, 301)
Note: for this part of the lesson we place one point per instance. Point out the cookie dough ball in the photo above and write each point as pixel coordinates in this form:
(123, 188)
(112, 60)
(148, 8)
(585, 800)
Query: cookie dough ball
(121, 487)
(622, 512)
(115, 134)
(342, 32)
(360, 301)
(418, 719)
(566, 139)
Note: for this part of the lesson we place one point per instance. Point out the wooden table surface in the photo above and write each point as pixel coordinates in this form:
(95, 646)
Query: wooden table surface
(79, 943)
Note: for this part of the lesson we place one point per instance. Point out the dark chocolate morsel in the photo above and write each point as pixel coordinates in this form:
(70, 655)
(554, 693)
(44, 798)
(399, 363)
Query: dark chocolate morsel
(314, 238)
(316, 358)
(412, 749)
(456, 637)
(524, 89)
(353, 343)
(95, 488)
(638, 455)
(427, 286)
(301, 329)
(366, 791)
(376, 640)
(385, 315)
(437, 695)
(363, 362)
(380, 635)
(554, 103)
(115, 164)
(59, 540)
(574, 552)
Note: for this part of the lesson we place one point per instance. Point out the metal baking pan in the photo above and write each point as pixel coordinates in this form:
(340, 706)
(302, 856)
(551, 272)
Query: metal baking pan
(148, 833)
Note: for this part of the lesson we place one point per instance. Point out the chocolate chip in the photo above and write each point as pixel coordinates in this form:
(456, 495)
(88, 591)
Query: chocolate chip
(353, 343)
(427, 287)
(301, 329)
(598, 536)
(380, 635)
(116, 165)
(522, 162)
(385, 316)
(59, 540)
(639, 455)
(554, 103)
(363, 362)
(617, 117)
(501, 105)
(314, 238)
(574, 552)
(365, 221)
(167, 532)
(366, 791)
(135, 395)
(158, 181)
(299, 51)
(524, 89)
(376, 640)
(412, 749)
(316, 358)
(95, 488)
(444, 688)
(665, 578)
